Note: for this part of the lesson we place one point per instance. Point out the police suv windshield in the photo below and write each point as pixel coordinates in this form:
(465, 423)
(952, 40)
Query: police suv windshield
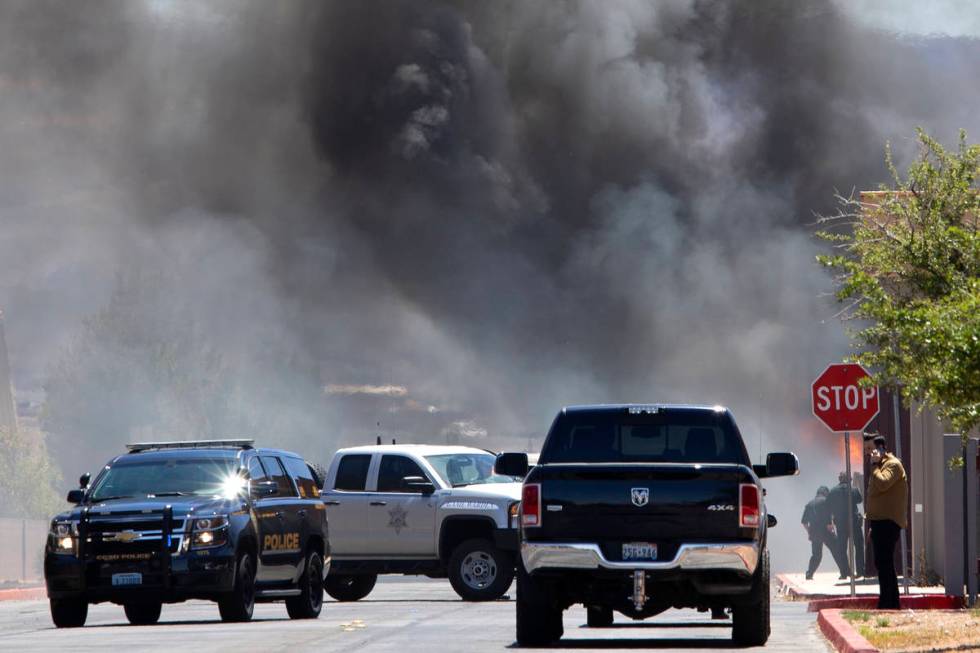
(664, 436)
(459, 469)
(166, 477)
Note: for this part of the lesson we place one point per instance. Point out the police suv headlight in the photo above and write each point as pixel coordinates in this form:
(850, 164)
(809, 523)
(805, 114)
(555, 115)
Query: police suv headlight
(208, 532)
(63, 536)
(513, 514)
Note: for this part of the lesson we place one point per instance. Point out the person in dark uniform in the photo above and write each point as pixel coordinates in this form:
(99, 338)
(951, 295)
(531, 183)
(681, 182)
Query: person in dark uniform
(837, 500)
(818, 522)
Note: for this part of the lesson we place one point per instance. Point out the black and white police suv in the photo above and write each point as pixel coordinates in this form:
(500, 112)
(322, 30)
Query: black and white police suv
(207, 519)
(420, 509)
(639, 509)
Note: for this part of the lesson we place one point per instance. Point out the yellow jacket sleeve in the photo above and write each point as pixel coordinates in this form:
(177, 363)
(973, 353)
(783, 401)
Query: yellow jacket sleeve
(883, 477)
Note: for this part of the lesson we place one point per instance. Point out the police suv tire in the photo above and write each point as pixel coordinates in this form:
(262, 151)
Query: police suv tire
(598, 617)
(240, 603)
(750, 620)
(310, 601)
(69, 613)
(479, 571)
(143, 614)
(350, 587)
(539, 619)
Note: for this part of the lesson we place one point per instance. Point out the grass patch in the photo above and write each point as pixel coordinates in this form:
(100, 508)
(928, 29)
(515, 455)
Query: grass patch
(856, 615)
(918, 631)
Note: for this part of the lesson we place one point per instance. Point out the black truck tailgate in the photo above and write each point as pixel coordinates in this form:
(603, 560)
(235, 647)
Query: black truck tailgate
(662, 503)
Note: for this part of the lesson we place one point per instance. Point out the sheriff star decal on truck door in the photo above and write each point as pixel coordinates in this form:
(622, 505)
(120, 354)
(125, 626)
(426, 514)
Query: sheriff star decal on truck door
(397, 521)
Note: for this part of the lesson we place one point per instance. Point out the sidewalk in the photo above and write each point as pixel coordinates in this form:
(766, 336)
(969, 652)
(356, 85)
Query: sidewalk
(826, 585)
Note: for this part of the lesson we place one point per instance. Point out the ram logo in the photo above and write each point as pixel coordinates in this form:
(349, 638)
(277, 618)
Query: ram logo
(721, 507)
(640, 496)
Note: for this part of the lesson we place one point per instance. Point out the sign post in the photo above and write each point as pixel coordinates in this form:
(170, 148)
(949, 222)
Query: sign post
(843, 404)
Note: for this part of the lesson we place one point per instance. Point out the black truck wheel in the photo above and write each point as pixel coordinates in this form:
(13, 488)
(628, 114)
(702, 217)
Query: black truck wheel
(750, 620)
(479, 571)
(308, 604)
(350, 587)
(598, 617)
(69, 613)
(239, 604)
(539, 619)
(143, 614)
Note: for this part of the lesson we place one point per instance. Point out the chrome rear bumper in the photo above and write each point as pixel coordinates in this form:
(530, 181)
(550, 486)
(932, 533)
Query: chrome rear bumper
(730, 556)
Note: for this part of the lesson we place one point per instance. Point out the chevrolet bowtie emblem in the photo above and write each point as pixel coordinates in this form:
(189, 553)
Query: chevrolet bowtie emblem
(123, 536)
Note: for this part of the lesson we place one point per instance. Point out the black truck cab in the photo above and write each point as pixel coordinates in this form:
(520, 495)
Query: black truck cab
(166, 522)
(641, 508)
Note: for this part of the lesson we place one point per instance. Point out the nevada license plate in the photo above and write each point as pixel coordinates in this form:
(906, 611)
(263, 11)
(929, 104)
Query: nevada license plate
(639, 551)
(127, 579)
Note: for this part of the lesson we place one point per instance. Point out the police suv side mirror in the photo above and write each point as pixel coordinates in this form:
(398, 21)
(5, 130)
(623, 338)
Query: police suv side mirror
(83, 480)
(511, 464)
(261, 489)
(418, 484)
(781, 464)
(771, 521)
(76, 496)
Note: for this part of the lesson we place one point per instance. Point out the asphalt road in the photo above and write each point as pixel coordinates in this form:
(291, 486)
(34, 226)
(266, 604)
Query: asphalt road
(401, 615)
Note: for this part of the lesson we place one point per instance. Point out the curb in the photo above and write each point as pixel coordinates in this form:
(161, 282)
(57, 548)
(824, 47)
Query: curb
(841, 634)
(916, 602)
(24, 594)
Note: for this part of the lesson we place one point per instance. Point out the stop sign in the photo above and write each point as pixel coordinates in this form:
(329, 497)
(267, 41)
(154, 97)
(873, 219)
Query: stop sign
(840, 402)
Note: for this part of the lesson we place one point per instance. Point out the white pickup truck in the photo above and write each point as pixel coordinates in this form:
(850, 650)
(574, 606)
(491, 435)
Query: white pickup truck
(420, 509)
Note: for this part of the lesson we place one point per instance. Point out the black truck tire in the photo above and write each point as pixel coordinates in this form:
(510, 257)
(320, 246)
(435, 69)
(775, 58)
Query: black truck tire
(310, 601)
(143, 614)
(240, 603)
(598, 617)
(750, 620)
(479, 571)
(539, 619)
(69, 613)
(350, 587)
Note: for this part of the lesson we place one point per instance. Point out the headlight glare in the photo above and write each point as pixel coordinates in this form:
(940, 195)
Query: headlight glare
(208, 532)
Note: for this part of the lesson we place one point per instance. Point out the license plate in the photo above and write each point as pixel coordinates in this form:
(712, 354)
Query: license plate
(639, 551)
(127, 579)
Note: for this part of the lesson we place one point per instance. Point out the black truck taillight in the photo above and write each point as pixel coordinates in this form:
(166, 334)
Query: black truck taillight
(531, 504)
(749, 512)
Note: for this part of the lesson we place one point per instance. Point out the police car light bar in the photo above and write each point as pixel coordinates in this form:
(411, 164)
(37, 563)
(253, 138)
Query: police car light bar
(190, 444)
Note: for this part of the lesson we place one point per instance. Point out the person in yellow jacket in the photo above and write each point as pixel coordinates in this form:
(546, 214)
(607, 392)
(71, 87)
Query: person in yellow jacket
(885, 505)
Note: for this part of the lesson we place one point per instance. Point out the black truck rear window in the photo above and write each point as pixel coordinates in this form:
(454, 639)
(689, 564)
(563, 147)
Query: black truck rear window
(669, 436)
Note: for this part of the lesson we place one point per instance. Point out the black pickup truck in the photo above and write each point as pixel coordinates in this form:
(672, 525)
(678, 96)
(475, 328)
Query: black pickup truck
(641, 508)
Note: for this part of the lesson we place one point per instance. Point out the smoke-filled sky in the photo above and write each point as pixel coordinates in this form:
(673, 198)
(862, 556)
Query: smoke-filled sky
(459, 216)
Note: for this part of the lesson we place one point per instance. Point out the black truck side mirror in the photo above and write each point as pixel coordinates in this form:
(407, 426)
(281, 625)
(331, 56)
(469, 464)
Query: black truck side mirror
(418, 484)
(511, 464)
(76, 496)
(778, 464)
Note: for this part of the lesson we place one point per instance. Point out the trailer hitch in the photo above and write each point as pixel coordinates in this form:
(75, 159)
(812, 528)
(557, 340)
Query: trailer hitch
(639, 589)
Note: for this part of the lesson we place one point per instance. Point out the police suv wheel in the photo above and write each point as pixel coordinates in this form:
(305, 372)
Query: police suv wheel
(750, 621)
(308, 604)
(539, 618)
(69, 613)
(479, 571)
(350, 587)
(240, 603)
(143, 614)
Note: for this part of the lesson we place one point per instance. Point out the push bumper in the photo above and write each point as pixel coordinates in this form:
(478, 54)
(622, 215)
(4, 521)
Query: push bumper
(740, 557)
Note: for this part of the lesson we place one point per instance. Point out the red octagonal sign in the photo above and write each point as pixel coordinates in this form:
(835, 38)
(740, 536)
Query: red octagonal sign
(840, 402)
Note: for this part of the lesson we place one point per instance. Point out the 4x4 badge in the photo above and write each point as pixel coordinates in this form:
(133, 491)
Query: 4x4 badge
(640, 496)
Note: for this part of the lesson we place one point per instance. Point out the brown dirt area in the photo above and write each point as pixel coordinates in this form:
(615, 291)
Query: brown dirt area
(911, 631)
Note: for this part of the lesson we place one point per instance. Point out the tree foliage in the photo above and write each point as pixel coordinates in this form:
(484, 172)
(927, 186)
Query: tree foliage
(908, 267)
(28, 481)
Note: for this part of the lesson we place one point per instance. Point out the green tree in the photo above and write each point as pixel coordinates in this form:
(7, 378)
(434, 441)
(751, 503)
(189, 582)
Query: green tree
(28, 481)
(908, 272)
